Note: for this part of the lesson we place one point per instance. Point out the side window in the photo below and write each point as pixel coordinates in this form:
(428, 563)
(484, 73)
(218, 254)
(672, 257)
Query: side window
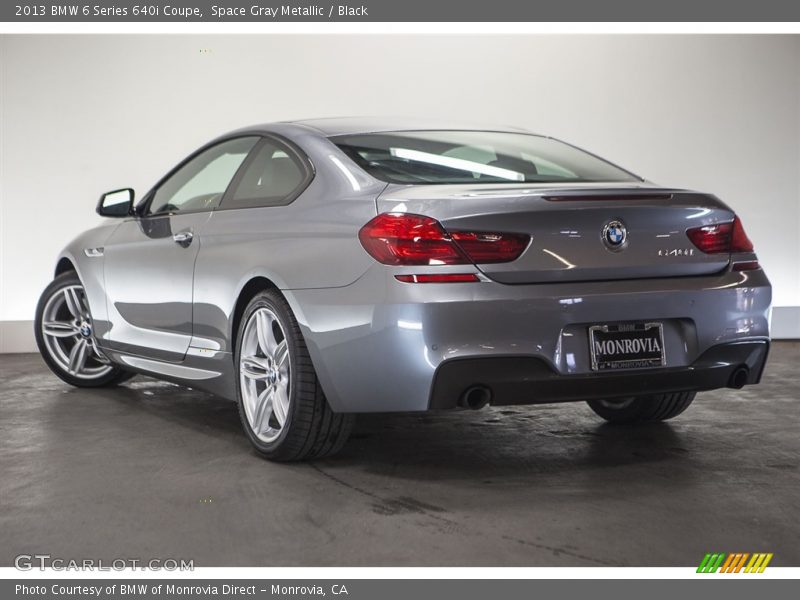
(201, 183)
(272, 178)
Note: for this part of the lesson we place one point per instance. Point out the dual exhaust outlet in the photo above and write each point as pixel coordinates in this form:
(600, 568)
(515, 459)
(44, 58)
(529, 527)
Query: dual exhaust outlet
(476, 397)
(739, 377)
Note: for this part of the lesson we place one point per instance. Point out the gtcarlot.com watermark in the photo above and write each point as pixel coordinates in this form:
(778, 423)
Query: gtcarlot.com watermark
(29, 562)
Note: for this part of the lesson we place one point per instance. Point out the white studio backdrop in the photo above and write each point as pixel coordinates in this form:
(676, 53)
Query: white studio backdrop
(83, 114)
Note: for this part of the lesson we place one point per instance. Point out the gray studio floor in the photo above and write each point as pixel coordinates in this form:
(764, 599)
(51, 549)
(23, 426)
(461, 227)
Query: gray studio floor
(152, 470)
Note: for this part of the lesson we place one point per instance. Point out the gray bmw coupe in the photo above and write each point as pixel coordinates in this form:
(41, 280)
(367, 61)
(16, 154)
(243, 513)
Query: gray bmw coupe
(316, 269)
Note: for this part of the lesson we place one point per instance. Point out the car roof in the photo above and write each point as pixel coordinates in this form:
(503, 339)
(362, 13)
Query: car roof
(354, 125)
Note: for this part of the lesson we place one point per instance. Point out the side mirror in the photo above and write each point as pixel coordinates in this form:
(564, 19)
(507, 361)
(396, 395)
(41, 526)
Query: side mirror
(118, 203)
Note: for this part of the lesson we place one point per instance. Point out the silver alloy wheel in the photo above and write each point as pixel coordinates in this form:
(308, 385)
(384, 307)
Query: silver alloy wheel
(264, 375)
(67, 333)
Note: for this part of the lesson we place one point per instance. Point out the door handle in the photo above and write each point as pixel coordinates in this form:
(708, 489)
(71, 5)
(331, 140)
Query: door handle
(183, 238)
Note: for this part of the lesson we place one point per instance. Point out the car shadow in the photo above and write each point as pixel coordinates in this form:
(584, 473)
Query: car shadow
(502, 443)
(486, 445)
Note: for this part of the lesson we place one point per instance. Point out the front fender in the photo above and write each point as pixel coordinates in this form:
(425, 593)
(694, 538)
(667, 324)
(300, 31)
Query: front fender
(90, 271)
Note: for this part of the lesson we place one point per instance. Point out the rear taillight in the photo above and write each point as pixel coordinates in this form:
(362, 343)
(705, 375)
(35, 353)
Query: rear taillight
(402, 239)
(712, 239)
(723, 238)
(740, 242)
(483, 248)
(406, 240)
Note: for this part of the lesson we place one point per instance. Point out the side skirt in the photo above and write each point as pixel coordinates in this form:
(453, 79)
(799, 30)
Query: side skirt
(208, 370)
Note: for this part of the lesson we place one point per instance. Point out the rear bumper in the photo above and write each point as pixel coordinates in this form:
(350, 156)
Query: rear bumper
(379, 345)
(529, 380)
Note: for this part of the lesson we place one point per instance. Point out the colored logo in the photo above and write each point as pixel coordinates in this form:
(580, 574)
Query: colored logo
(614, 235)
(739, 562)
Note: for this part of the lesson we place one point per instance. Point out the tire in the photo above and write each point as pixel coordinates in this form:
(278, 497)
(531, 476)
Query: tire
(641, 409)
(283, 410)
(63, 330)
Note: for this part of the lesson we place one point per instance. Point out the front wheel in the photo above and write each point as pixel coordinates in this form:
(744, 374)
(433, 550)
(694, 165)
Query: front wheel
(638, 409)
(65, 339)
(281, 405)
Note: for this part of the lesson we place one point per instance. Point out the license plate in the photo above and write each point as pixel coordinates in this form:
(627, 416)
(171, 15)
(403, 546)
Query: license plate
(626, 346)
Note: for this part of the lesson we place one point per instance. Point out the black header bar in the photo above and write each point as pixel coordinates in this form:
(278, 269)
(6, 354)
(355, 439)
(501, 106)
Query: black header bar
(110, 11)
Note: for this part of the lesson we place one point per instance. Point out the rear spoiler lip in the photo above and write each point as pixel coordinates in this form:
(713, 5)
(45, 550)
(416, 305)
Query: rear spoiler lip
(605, 196)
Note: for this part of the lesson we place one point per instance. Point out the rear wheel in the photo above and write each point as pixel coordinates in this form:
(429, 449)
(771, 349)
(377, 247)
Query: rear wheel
(64, 334)
(281, 405)
(638, 409)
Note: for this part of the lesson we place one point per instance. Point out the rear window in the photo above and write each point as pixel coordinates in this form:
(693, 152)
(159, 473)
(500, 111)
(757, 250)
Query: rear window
(474, 157)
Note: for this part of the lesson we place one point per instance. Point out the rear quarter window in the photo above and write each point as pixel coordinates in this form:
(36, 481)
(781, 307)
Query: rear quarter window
(274, 176)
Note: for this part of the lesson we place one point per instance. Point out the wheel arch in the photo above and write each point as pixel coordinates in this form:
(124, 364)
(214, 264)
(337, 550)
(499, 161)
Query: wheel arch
(67, 263)
(248, 291)
(259, 282)
(64, 265)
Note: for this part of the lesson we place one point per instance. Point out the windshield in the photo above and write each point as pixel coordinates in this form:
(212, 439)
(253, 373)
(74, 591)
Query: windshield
(474, 157)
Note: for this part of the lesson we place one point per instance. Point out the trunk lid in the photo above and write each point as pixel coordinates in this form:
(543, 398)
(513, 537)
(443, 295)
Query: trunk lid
(578, 233)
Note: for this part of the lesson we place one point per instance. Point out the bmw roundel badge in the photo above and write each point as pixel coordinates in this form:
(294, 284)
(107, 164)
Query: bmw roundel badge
(615, 234)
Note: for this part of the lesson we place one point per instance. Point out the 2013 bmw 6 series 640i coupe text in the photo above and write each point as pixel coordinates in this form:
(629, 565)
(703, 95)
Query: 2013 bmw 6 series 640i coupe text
(316, 269)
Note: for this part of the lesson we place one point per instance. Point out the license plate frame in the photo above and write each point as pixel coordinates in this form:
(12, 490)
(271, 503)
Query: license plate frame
(637, 330)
